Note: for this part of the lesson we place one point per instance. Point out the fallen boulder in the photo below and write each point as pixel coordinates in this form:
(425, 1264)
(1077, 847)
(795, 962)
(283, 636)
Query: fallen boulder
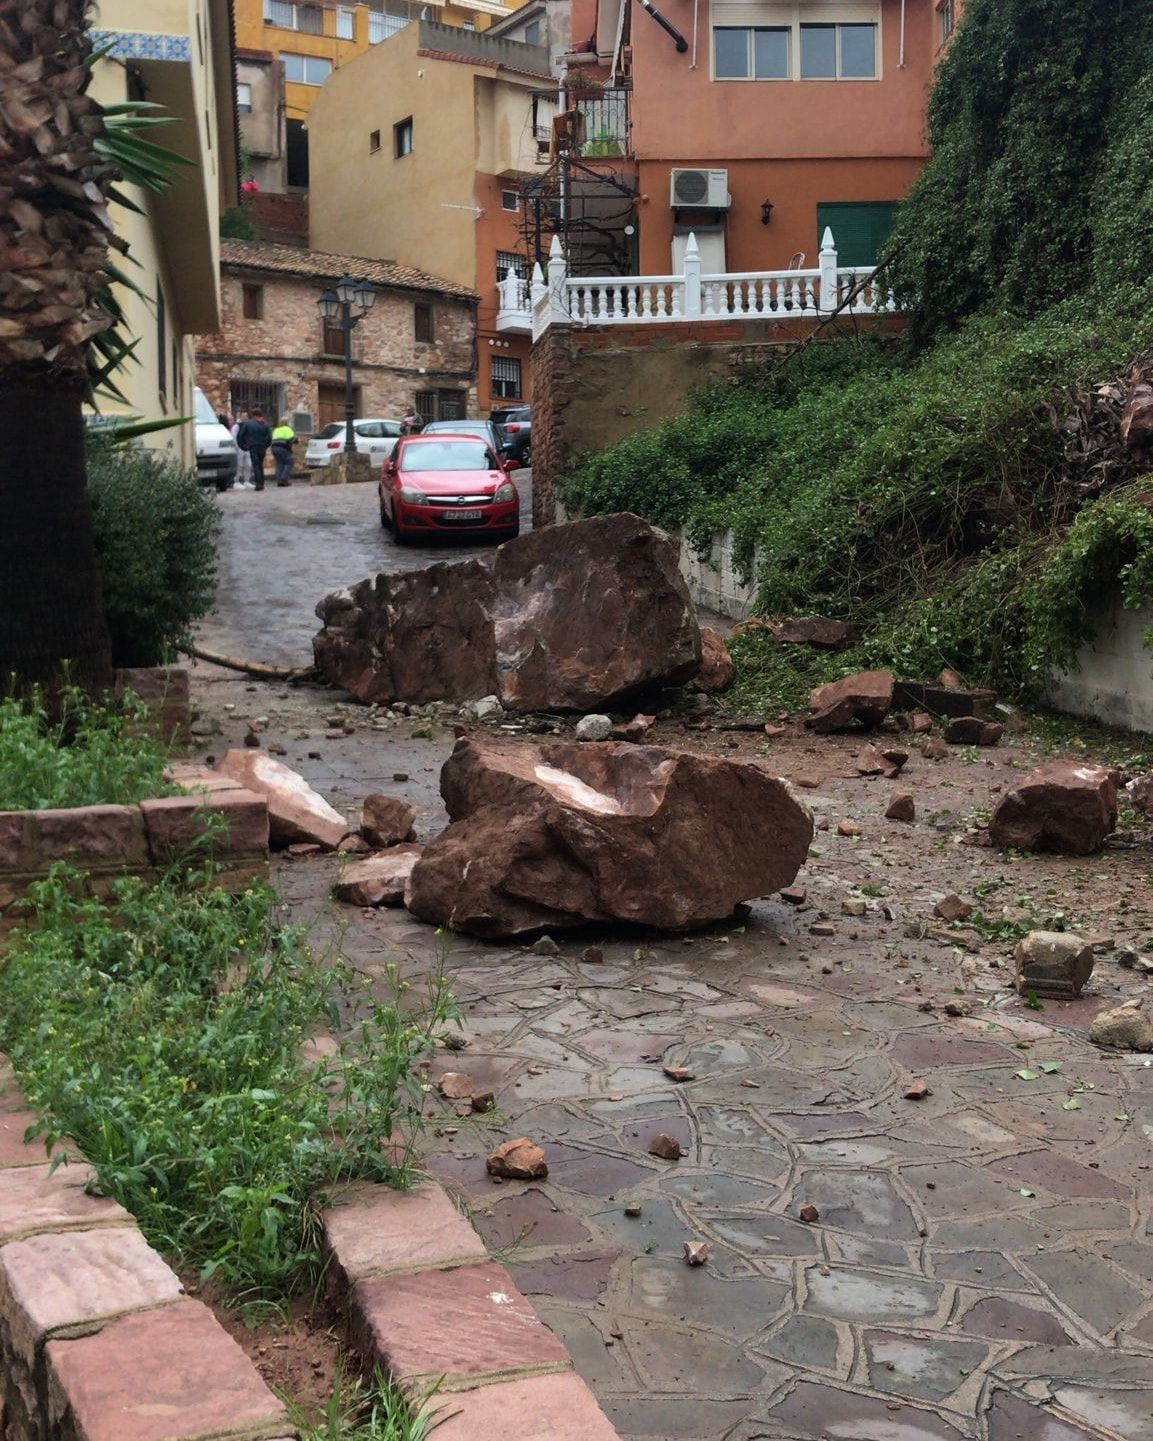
(386, 820)
(296, 813)
(863, 699)
(1065, 806)
(717, 671)
(559, 834)
(378, 880)
(577, 617)
(1126, 1027)
(1054, 964)
(816, 631)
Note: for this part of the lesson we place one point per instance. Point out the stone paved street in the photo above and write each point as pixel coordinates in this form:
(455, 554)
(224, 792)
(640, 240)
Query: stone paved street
(982, 1261)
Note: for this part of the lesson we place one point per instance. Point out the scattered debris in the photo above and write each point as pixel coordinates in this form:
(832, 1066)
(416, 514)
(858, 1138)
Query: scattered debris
(848, 828)
(378, 880)
(971, 730)
(794, 895)
(1064, 805)
(935, 749)
(816, 631)
(864, 699)
(958, 1008)
(544, 946)
(717, 671)
(902, 807)
(696, 1252)
(1126, 1028)
(808, 780)
(556, 834)
(895, 762)
(519, 1160)
(854, 907)
(870, 762)
(809, 1214)
(455, 1086)
(594, 728)
(295, 811)
(633, 1209)
(634, 730)
(952, 908)
(483, 1101)
(667, 1147)
(679, 1073)
(592, 955)
(488, 707)
(528, 626)
(917, 1091)
(387, 820)
(1053, 964)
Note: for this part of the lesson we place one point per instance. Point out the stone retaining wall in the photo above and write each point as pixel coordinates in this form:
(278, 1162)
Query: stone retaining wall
(98, 1341)
(106, 842)
(427, 1305)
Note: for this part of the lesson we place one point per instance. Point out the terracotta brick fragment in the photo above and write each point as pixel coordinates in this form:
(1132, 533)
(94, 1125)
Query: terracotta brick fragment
(538, 1408)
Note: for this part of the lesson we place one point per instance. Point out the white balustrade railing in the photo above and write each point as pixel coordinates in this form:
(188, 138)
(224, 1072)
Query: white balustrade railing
(656, 299)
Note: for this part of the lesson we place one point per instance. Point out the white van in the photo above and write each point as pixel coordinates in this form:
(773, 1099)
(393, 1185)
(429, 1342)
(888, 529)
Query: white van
(215, 448)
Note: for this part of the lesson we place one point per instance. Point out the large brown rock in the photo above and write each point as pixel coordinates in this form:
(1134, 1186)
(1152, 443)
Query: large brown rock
(559, 834)
(817, 631)
(578, 617)
(862, 699)
(296, 813)
(378, 880)
(386, 820)
(717, 671)
(1065, 806)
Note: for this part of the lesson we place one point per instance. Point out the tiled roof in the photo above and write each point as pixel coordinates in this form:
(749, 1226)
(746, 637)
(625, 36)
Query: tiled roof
(291, 260)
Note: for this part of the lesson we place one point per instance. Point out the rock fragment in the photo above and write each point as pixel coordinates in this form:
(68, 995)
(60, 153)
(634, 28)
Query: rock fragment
(971, 730)
(679, 1073)
(902, 807)
(594, 728)
(1126, 1028)
(387, 820)
(809, 1214)
(1064, 805)
(696, 1253)
(1055, 964)
(666, 1147)
(378, 880)
(519, 1160)
(917, 1091)
(952, 908)
(717, 671)
(863, 699)
(296, 813)
(817, 631)
(455, 1086)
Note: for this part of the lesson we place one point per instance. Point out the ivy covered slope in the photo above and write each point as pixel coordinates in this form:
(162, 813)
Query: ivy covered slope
(962, 493)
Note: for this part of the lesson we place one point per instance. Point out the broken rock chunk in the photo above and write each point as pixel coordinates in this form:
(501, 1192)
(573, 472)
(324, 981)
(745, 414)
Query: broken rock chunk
(558, 834)
(1053, 963)
(862, 699)
(971, 730)
(594, 728)
(519, 1160)
(810, 1215)
(667, 1147)
(696, 1253)
(455, 1086)
(902, 807)
(635, 729)
(952, 908)
(387, 820)
(378, 880)
(815, 630)
(1064, 805)
(870, 762)
(575, 617)
(296, 813)
(679, 1073)
(1125, 1027)
(917, 1091)
(717, 671)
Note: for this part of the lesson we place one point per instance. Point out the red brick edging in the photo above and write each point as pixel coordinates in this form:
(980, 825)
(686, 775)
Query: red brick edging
(97, 1340)
(427, 1304)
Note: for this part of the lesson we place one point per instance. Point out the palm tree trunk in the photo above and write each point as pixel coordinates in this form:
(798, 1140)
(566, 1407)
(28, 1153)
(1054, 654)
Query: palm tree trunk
(51, 605)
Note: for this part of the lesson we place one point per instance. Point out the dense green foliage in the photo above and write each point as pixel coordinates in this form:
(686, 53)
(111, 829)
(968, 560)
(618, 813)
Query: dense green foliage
(156, 533)
(160, 1030)
(931, 489)
(79, 755)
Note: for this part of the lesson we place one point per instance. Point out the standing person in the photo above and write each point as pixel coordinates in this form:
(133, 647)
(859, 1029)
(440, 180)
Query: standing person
(283, 441)
(411, 423)
(255, 437)
(243, 459)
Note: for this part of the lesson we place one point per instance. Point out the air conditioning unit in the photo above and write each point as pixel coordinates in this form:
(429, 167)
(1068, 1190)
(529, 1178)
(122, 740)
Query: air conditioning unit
(699, 190)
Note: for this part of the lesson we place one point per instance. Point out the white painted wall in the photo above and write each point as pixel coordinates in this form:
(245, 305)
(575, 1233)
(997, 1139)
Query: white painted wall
(1113, 682)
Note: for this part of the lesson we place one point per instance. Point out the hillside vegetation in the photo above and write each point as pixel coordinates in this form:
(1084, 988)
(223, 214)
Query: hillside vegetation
(963, 492)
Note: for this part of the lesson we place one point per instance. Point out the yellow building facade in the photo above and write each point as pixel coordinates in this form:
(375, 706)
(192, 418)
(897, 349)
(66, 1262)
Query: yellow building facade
(178, 54)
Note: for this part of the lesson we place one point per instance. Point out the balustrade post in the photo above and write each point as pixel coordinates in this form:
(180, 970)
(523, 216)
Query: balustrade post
(557, 283)
(828, 263)
(692, 279)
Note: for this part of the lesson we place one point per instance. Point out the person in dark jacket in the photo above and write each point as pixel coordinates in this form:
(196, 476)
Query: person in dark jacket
(255, 437)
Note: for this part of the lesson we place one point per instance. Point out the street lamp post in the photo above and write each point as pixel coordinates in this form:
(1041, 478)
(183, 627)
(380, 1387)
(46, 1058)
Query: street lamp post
(337, 307)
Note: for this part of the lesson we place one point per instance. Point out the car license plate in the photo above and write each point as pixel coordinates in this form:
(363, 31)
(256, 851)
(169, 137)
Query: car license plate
(468, 515)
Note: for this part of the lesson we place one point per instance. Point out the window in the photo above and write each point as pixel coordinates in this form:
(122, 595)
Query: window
(373, 141)
(253, 299)
(332, 339)
(425, 404)
(305, 69)
(244, 97)
(947, 16)
(532, 33)
(250, 395)
(838, 52)
(296, 155)
(509, 200)
(402, 138)
(746, 53)
(423, 327)
(860, 228)
(506, 377)
(346, 25)
(508, 262)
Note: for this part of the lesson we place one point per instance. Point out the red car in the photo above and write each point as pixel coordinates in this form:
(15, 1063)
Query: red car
(446, 484)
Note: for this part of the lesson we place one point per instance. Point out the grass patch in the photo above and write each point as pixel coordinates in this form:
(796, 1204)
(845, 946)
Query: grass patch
(160, 1030)
(81, 754)
(357, 1411)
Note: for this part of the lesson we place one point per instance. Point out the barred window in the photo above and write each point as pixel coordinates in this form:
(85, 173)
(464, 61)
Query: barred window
(506, 377)
(508, 262)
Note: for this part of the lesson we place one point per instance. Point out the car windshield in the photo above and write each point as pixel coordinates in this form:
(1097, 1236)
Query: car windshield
(445, 455)
(459, 427)
(205, 415)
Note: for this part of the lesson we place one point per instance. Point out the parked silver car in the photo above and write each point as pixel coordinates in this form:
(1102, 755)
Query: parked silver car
(374, 438)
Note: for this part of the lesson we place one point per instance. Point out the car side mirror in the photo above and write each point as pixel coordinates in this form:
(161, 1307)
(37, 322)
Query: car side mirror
(510, 466)
(389, 468)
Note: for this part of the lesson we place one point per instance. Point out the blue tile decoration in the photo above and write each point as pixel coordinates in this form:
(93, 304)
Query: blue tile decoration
(140, 45)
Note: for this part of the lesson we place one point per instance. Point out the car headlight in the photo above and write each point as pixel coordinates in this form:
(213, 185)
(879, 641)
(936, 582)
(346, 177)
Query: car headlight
(504, 492)
(411, 496)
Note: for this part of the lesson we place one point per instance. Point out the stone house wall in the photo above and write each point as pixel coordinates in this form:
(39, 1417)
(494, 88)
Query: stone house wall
(285, 347)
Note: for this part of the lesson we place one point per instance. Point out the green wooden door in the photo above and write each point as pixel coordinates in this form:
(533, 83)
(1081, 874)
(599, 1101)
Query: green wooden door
(860, 228)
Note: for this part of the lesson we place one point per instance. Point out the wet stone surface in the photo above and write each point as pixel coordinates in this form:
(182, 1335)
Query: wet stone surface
(981, 1266)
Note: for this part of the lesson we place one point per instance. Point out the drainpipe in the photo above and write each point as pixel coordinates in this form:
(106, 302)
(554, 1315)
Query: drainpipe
(693, 64)
(901, 65)
(650, 9)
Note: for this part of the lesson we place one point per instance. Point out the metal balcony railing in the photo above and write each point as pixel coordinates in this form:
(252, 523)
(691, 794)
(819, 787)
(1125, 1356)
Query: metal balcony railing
(337, 23)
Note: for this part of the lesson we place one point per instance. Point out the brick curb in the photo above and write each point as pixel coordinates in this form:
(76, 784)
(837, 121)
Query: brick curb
(427, 1304)
(98, 1341)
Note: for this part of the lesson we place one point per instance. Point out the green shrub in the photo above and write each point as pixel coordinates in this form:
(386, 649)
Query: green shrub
(160, 1030)
(156, 533)
(83, 754)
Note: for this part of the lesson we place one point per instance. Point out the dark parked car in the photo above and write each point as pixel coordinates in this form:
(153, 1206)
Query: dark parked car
(514, 426)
